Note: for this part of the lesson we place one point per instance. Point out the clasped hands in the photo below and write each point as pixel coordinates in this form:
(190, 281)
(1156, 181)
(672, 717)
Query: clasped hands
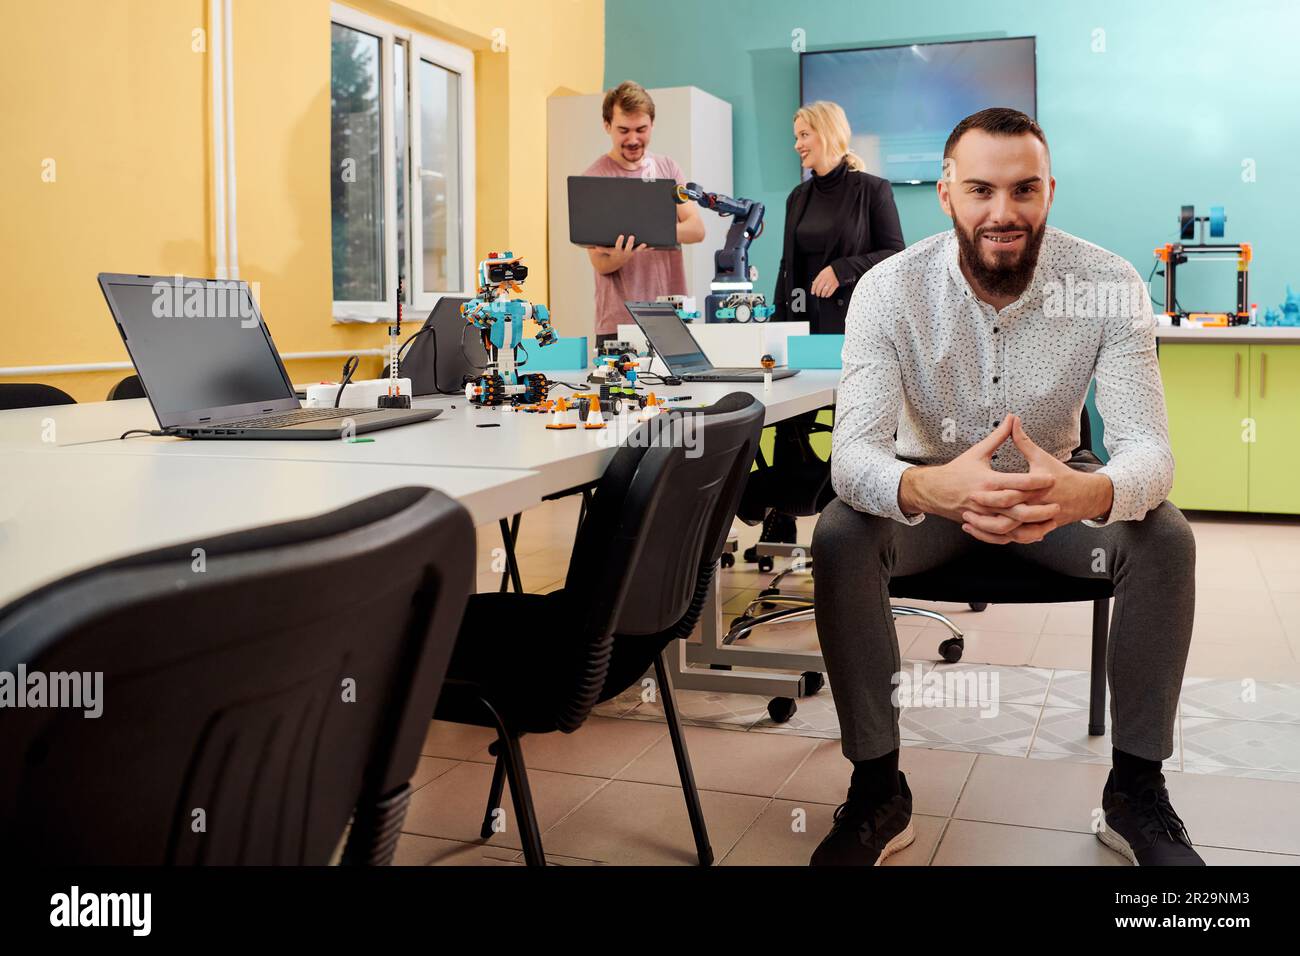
(1006, 507)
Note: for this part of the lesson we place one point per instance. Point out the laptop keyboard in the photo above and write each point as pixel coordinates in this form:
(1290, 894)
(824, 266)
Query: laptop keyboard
(295, 417)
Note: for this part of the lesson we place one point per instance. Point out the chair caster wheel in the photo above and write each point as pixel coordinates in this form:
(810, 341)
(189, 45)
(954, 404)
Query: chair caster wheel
(950, 650)
(768, 592)
(978, 605)
(719, 667)
(728, 560)
(781, 709)
(766, 563)
(813, 681)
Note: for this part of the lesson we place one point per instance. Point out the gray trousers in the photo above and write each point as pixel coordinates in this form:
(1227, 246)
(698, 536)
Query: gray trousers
(1151, 563)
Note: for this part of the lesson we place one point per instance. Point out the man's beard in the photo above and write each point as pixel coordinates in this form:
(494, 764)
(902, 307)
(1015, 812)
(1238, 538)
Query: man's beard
(1002, 280)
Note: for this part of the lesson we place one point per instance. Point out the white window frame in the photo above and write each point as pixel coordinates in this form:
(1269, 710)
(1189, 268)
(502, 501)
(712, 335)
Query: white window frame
(458, 60)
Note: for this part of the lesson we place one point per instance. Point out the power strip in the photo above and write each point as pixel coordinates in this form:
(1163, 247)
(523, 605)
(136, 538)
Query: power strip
(364, 394)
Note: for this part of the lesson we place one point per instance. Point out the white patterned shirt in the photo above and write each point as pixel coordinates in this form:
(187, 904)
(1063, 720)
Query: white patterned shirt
(925, 356)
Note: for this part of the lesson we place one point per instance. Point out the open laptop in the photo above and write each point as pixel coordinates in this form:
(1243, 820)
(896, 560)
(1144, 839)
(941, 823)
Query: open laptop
(669, 336)
(601, 208)
(210, 369)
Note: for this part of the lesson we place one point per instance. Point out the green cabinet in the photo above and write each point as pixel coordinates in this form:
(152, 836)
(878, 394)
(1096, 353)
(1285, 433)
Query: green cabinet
(1234, 425)
(1275, 408)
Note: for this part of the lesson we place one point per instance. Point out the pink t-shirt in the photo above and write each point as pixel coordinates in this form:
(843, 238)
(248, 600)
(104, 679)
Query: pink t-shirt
(649, 273)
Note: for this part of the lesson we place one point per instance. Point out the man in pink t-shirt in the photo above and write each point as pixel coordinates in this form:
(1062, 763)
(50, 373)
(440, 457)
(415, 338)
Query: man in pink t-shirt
(627, 272)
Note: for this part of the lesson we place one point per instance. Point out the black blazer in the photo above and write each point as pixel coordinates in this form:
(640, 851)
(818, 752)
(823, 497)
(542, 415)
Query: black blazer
(870, 232)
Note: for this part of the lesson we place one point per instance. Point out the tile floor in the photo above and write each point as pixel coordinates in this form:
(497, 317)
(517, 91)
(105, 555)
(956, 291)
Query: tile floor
(1013, 780)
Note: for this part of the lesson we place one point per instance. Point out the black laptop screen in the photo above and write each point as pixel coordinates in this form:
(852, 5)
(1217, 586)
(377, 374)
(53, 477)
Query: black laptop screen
(671, 339)
(198, 345)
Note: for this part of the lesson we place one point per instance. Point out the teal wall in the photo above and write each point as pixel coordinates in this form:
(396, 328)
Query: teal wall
(1183, 93)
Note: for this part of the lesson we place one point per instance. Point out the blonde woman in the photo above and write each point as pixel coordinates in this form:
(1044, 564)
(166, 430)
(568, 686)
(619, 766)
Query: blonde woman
(838, 223)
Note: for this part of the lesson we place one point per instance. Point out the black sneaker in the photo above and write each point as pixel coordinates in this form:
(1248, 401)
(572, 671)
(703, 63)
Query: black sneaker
(1144, 829)
(865, 835)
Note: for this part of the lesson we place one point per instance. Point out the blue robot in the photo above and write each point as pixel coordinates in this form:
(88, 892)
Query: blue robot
(500, 321)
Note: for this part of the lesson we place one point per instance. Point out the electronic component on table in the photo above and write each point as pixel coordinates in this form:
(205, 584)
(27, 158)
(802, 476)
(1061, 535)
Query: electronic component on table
(615, 368)
(397, 395)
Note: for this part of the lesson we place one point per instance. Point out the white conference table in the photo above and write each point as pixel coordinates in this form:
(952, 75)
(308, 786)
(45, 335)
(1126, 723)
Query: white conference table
(63, 511)
(84, 496)
(564, 459)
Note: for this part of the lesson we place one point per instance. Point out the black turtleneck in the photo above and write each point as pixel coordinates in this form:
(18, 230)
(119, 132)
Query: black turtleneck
(815, 232)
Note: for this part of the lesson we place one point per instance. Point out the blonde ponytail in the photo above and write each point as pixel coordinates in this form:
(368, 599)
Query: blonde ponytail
(828, 121)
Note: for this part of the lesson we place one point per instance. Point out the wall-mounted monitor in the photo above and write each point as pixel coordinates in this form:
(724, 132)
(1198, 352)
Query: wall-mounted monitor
(903, 101)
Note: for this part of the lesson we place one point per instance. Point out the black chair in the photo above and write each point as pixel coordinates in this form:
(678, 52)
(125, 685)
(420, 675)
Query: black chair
(642, 565)
(32, 395)
(796, 484)
(990, 578)
(251, 704)
(129, 387)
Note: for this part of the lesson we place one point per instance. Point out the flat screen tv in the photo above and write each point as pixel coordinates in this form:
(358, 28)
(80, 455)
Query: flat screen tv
(903, 101)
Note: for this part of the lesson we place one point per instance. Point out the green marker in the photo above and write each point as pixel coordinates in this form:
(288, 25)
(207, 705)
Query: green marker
(357, 441)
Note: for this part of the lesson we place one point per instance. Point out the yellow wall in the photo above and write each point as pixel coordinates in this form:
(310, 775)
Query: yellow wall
(117, 97)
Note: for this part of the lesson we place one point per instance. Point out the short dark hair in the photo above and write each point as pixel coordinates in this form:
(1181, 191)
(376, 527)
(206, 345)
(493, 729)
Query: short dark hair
(631, 98)
(997, 120)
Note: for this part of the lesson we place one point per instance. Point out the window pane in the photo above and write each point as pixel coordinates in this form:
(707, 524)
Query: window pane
(356, 174)
(440, 177)
(401, 152)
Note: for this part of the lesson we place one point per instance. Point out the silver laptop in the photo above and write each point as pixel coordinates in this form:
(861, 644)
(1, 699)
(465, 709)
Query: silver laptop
(210, 369)
(671, 338)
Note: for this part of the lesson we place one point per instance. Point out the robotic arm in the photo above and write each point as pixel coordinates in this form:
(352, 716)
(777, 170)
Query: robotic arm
(732, 297)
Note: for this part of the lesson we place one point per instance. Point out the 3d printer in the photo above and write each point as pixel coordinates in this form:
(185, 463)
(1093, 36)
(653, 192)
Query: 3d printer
(1174, 254)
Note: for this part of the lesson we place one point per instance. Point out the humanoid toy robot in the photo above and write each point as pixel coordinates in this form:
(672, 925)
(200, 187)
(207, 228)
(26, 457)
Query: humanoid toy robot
(500, 321)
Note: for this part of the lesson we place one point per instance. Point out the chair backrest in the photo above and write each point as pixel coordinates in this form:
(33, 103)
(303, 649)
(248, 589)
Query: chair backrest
(32, 395)
(253, 693)
(129, 387)
(662, 509)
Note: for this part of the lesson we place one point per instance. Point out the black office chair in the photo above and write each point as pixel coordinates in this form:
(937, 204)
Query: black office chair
(250, 704)
(129, 387)
(990, 578)
(32, 395)
(796, 484)
(641, 569)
